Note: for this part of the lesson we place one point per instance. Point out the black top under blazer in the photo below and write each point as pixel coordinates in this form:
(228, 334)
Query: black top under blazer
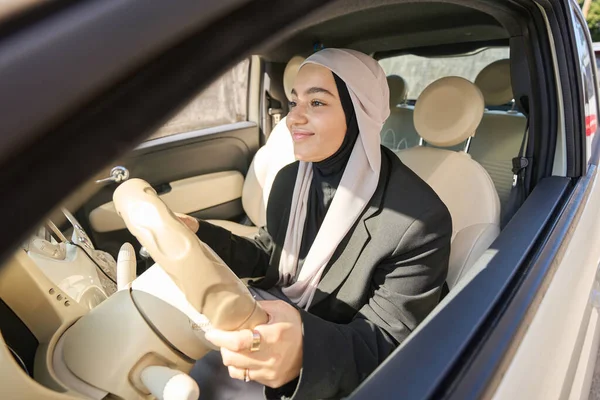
(382, 281)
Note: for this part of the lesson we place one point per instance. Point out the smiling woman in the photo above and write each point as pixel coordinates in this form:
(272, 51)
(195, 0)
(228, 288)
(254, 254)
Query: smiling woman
(353, 251)
(335, 230)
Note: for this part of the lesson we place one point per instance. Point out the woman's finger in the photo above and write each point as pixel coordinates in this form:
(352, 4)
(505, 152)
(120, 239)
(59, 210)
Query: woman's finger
(237, 341)
(260, 376)
(233, 359)
(259, 359)
(236, 373)
(273, 308)
(191, 222)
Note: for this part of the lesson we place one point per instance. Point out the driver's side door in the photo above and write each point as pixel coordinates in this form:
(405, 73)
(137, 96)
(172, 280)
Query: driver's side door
(197, 162)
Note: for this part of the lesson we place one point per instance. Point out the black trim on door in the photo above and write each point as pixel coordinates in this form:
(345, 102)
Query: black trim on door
(559, 15)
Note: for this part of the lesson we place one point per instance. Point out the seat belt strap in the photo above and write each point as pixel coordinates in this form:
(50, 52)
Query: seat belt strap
(517, 192)
(520, 162)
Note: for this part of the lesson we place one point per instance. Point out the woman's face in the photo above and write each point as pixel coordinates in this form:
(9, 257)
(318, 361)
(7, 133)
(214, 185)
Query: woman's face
(316, 118)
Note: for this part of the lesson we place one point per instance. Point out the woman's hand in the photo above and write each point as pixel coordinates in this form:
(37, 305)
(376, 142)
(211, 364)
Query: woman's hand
(279, 357)
(190, 222)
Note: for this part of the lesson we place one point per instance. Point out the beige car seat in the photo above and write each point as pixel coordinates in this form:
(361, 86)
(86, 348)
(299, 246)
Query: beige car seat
(398, 131)
(447, 113)
(268, 160)
(500, 133)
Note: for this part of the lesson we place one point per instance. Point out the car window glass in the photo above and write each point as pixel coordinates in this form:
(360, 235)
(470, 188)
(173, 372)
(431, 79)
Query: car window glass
(419, 72)
(223, 102)
(586, 61)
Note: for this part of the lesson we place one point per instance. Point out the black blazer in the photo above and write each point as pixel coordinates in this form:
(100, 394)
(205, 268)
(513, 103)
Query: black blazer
(383, 279)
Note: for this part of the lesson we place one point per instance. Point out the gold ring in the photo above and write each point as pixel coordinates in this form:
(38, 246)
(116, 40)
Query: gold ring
(255, 342)
(246, 375)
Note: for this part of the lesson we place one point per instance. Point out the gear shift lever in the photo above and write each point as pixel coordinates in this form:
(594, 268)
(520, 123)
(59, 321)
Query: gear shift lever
(169, 384)
(126, 266)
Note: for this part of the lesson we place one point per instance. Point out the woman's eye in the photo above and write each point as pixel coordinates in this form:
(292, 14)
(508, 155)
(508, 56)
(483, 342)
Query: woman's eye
(292, 104)
(316, 103)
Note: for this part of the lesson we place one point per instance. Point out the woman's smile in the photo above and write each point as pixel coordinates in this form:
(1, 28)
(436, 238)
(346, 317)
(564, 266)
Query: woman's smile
(299, 135)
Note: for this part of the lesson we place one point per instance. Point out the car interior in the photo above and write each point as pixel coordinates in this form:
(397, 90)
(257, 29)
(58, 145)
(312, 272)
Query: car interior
(460, 100)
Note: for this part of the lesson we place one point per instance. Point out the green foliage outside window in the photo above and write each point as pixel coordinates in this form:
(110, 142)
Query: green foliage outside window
(593, 19)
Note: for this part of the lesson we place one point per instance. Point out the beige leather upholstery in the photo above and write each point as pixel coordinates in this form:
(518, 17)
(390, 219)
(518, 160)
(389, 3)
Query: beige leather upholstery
(495, 84)
(460, 182)
(186, 196)
(498, 140)
(500, 133)
(269, 159)
(448, 111)
(399, 132)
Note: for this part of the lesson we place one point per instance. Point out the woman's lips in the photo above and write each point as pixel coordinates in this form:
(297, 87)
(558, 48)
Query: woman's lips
(301, 135)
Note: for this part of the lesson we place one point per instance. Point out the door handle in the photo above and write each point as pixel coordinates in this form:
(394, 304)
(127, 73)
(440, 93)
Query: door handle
(118, 174)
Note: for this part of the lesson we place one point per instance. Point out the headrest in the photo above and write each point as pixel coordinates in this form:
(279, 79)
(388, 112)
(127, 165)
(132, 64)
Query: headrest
(398, 90)
(494, 82)
(448, 111)
(289, 75)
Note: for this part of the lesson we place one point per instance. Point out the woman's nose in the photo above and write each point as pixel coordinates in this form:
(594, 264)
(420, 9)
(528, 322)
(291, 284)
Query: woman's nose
(297, 115)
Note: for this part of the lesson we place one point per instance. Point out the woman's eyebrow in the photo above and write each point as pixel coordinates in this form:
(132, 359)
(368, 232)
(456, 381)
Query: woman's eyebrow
(314, 90)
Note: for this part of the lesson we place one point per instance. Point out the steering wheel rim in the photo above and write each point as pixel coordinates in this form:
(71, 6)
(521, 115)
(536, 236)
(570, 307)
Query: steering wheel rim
(206, 281)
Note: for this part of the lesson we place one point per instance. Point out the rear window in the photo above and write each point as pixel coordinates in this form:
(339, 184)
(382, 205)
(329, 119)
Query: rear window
(419, 72)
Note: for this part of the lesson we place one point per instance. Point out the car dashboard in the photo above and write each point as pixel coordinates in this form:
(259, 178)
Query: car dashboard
(52, 279)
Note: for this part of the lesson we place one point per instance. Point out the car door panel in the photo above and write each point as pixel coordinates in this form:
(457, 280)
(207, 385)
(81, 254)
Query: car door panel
(199, 173)
(187, 196)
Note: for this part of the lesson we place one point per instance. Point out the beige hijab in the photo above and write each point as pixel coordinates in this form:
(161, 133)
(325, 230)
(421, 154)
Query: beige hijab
(368, 88)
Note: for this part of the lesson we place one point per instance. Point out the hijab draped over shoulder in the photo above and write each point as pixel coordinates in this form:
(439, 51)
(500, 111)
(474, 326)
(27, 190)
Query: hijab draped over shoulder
(329, 196)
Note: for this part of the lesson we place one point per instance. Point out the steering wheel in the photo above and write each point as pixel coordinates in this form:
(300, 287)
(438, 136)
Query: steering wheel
(205, 280)
(137, 335)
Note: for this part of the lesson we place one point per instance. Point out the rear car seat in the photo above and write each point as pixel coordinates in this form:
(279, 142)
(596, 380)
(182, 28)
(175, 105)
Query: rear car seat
(497, 139)
(398, 131)
(460, 182)
(500, 133)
